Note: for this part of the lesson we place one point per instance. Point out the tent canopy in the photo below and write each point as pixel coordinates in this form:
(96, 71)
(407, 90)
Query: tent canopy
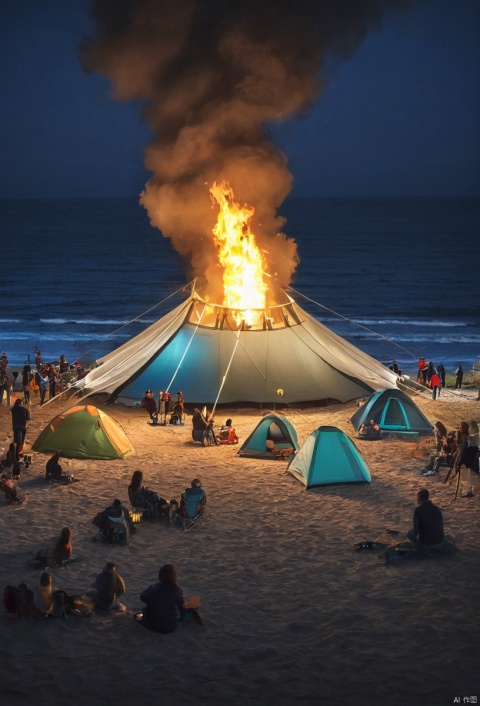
(392, 410)
(84, 432)
(274, 428)
(198, 348)
(328, 457)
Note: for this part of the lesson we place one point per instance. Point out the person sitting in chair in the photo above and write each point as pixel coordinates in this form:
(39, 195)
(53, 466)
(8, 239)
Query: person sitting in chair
(150, 405)
(427, 534)
(199, 426)
(193, 500)
(115, 523)
(109, 587)
(142, 497)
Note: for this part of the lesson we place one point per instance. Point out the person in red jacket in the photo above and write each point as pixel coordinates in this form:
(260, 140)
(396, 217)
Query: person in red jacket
(422, 366)
(435, 384)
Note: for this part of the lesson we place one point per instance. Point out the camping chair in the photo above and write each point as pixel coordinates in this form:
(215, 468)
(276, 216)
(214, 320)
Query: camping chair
(191, 512)
(141, 505)
(120, 531)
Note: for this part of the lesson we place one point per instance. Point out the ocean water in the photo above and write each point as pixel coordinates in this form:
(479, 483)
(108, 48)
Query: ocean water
(396, 277)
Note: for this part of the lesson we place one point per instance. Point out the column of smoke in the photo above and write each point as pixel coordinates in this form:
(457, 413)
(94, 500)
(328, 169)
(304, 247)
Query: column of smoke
(212, 76)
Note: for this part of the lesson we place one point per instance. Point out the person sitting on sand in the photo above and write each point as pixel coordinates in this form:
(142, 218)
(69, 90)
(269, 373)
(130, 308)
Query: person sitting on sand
(370, 431)
(48, 600)
(53, 469)
(62, 552)
(427, 534)
(165, 604)
(227, 433)
(150, 405)
(109, 587)
(9, 487)
(141, 497)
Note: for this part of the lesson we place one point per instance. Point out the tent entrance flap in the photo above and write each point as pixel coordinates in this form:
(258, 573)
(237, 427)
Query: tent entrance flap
(393, 416)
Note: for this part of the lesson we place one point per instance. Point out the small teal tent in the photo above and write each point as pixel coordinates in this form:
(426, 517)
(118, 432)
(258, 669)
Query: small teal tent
(328, 457)
(392, 410)
(277, 430)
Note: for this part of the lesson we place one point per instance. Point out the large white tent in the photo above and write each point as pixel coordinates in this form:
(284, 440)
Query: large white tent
(199, 348)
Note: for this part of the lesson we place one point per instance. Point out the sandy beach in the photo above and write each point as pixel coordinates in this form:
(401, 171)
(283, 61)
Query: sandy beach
(292, 614)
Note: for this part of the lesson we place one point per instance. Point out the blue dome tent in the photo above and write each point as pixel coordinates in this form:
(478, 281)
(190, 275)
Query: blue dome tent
(393, 411)
(329, 457)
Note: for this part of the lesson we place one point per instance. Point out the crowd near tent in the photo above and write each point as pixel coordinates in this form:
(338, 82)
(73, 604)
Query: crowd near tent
(392, 410)
(84, 432)
(203, 349)
(327, 457)
(272, 428)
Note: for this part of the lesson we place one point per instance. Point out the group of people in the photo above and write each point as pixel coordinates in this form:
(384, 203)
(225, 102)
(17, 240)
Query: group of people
(203, 430)
(165, 604)
(455, 449)
(164, 407)
(434, 377)
(192, 500)
(44, 380)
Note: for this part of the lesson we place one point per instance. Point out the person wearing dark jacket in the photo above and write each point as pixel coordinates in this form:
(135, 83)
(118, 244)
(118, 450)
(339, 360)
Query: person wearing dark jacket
(109, 587)
(150, 405)
(427, 532)
(164, 602)
(20, 417)
(427, 521)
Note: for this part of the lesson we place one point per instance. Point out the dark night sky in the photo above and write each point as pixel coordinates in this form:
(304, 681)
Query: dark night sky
(401, 117)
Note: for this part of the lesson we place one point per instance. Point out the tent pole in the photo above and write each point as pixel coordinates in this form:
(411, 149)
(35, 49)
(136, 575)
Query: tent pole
(226, 372)
(186, 350)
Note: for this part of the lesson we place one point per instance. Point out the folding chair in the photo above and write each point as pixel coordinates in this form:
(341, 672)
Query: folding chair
(145, 509)
(191, 512)
(120, 532)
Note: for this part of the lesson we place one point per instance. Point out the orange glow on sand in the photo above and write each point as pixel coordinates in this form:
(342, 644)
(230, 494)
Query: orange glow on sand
(242, 262)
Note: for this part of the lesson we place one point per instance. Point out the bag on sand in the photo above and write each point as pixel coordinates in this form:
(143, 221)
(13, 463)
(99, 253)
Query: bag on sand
(18, 602)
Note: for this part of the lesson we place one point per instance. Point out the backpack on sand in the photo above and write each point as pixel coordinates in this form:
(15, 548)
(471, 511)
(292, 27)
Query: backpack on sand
(18, 601)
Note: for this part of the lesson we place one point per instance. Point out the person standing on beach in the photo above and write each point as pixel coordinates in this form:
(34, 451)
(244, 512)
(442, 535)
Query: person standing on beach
(435, 384)
(422, 371)
(459, 378)
(441, 372)
(150, 405)
(38, 360)
(20, 417)
(4, 385)
(26, 372)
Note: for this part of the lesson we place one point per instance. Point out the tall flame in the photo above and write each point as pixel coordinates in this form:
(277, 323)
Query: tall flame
(243, 263)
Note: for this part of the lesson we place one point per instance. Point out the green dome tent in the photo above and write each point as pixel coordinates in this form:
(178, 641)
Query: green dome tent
(394, 411)
(277, 430)
(84, 432)
(327, 457)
